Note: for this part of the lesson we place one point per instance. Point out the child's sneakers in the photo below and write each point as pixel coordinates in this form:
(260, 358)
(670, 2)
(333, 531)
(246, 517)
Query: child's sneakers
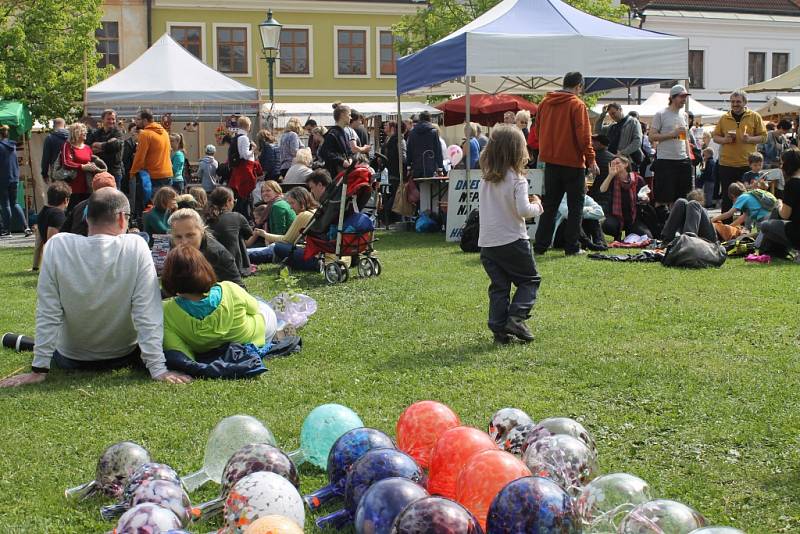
(758, 258)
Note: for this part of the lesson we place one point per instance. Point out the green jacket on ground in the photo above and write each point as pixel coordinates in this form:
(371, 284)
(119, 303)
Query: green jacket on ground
(237, 319)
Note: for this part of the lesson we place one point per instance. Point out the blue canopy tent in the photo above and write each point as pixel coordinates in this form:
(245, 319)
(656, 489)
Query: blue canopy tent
(526, 46)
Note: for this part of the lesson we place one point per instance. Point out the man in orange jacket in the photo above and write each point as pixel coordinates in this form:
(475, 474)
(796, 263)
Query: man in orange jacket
(152, 151)
(565, 146)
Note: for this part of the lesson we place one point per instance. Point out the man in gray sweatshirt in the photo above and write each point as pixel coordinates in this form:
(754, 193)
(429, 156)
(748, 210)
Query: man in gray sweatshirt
(98, 301)
(624, 134)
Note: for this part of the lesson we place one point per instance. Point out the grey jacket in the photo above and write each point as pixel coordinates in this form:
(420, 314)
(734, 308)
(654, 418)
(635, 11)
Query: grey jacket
(630, 139)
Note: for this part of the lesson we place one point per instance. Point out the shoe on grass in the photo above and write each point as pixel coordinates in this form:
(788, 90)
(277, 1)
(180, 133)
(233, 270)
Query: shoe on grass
(579, 252)
(516, 327)
(501, 338)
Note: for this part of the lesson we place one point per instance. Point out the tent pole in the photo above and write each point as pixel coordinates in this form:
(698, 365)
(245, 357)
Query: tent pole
(468, 119)
(401, 164)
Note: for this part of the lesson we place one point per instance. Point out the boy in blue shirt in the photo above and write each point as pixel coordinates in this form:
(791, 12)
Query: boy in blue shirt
(746, 204)
(756, 162)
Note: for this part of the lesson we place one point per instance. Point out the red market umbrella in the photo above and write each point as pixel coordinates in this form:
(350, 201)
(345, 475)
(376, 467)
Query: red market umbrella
(485, 109)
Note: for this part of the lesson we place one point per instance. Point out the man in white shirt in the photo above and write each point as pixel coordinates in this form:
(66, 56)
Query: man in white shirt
(673, 169)
(98, 300)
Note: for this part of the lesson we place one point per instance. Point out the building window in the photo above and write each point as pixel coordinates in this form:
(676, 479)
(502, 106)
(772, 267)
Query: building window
(294, 51)
(189, 37)
(756, 67)
(352, 52)
(388, 55)
(107, 36)
(780, 63)
(696, 69)
(232, 50)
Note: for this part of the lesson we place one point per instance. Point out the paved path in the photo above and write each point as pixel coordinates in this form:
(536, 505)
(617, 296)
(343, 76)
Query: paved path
(17, 241)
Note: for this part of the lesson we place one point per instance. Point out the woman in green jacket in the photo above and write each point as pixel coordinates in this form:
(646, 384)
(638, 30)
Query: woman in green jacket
(203, 314)
(156, 221)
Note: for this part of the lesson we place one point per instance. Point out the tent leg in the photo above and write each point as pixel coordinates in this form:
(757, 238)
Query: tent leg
(468, 119)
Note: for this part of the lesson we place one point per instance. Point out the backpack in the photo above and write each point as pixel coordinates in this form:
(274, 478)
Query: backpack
(469, 234)
(765, 198)
(233, 152)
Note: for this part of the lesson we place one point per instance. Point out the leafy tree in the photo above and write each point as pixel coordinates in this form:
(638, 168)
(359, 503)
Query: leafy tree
(45, 48)
(442, 17)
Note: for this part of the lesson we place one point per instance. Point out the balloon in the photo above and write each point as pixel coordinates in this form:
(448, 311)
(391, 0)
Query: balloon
(435, 515)
(454, 154)
(532, 504)
(167, 495)
(322, 427)
(383, 502)
(503, 421)
(483, 476)
(115, 466)
(230, 435)
(563, 459)
(273, 524)
(608, 498)
(515, 439)
(559, 425)
(348, 448)
(661, 516)
(420, 425)
(261, 494)
(375, 465)
(147, 517)
(717, 530)
(452, 451)
(249, 459)
(143, 474)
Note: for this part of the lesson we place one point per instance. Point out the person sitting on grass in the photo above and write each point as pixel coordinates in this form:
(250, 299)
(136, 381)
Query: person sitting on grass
(98, 302)
(256, 244)
(317, 182)
(753, 176)
(200, 197)
(304, 205)
(205, 314)
(187, 228)
(748, 208)
(156, 220)
(624, 186)
(229, 227)
(75, 221)
(300, 169)
(51, 217)
(279, 213)
(687, 215)
(779, 235)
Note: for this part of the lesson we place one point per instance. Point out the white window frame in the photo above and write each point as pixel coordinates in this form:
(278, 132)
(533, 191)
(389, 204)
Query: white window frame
(704, 50)
(378, 31)
(203, 42)
(249, 28)
(767, 63)
(310, 30)
(367, 46)
(780, 51)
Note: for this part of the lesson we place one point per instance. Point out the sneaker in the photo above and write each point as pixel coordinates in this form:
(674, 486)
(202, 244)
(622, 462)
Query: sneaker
(5, 233)
(597, 247)
(758, 258)
(516, 327)
(28, 232)
(501, 339)
(579, 252)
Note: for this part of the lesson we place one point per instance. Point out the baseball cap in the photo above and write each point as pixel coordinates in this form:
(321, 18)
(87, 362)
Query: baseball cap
(211, 149)
(103, 179)
(678, 90)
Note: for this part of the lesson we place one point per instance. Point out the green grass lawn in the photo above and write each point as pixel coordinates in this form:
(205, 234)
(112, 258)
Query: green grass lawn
(688, 379)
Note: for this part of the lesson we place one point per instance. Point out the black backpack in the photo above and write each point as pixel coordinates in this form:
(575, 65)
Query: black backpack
(469, 234)
(233, 152)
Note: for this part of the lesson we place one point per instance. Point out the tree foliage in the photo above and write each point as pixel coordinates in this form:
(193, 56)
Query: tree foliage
(45, 45)
(442, 17)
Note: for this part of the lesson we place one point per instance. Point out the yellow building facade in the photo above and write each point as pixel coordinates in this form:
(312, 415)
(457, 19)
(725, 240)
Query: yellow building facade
(330, 50)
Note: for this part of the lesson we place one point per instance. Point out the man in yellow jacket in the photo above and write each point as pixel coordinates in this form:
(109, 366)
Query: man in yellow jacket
(152, 151)
(737, 133)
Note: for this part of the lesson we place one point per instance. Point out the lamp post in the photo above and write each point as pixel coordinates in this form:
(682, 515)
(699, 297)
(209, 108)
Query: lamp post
(270, 31)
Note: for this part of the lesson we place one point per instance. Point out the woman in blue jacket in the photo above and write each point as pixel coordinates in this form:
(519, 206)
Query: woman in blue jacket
(9, 181)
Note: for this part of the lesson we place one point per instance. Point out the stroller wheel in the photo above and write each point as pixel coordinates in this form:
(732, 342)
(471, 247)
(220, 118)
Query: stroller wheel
(333, 273)
(365, 268)
(377, 268)
(344, 272)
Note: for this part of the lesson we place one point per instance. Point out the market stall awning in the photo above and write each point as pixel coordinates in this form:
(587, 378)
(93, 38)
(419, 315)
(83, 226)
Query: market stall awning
(780, 105)
(17, 117)
(487, 110)
(168, 79)
(658, 101)
(787, 82)
(526, 46)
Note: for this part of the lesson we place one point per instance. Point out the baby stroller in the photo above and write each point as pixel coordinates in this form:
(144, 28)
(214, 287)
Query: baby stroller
(340, 226)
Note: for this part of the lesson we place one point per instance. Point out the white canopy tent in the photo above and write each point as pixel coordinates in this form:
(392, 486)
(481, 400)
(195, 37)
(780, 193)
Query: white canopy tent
(167, 78)
(323, 112)
(658, 101)
(780, 105)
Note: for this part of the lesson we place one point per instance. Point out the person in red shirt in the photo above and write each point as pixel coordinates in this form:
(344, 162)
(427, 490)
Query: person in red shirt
(77, 155)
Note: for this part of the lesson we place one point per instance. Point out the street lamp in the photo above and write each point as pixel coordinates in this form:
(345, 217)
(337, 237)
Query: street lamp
(270, 31)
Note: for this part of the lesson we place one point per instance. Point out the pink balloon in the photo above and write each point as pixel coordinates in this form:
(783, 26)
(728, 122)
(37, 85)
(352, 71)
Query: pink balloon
(454, 154)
